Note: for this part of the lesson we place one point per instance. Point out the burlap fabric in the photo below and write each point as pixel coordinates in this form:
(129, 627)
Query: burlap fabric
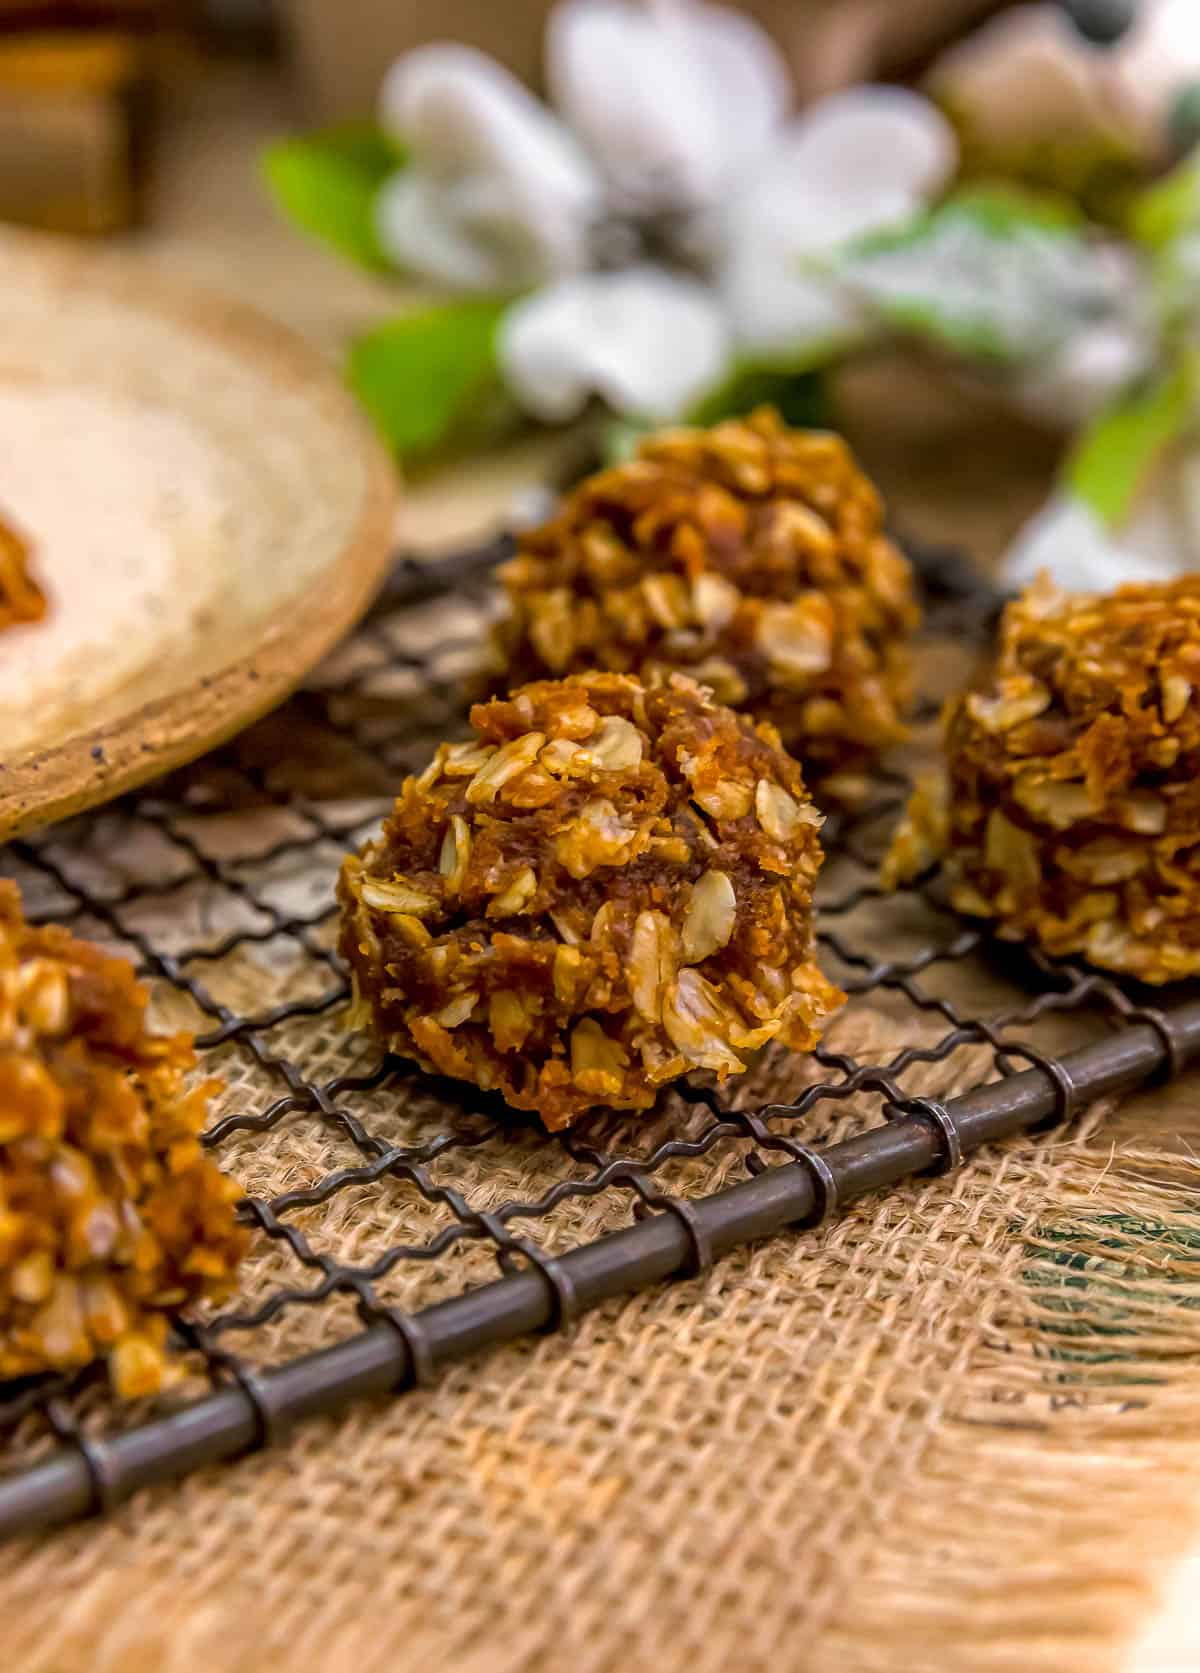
(957, 1429)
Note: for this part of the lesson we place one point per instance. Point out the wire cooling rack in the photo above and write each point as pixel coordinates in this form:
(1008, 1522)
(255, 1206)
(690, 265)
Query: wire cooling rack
(402, 1221)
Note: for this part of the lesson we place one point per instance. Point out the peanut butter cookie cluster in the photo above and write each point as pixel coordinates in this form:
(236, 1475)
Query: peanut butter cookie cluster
(111, 1214)
(608, 885)
(750, 556)
(1069, 810)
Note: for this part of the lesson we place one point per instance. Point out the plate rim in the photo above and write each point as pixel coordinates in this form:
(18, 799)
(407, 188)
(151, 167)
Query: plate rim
(39, 787)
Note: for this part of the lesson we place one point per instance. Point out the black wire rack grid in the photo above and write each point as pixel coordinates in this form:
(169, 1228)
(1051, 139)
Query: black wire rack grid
(403, 1222)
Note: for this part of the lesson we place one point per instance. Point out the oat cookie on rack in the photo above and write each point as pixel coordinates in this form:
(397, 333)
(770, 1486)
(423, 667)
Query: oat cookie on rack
(111, 1215)
(607, 886)
(1069, 809)
(751, 556)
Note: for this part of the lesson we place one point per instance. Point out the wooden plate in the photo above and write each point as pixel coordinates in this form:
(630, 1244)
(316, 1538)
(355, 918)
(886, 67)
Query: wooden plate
(208, 513)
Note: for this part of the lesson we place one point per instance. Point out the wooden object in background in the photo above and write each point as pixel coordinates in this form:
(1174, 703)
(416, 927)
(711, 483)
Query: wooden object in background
(73, 108)
(61, 16)
(262, 501)
(341, 50)
(67, 130)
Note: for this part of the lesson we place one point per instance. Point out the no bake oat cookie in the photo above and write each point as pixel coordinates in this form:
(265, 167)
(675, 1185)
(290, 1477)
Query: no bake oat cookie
(111, 1215)
(1069, 810)
(750, 555)
(606, 887)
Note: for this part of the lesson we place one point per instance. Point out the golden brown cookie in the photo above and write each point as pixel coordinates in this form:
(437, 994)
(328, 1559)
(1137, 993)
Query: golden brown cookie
(1069, 811)
(111, 1215)
(751, 556)
(607, 886)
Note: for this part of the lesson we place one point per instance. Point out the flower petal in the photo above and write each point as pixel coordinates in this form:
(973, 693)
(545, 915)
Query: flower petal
(418, 231)
(856, 162)
(1164, 525)
(1070, 543)
(1155, 61)
(672, 99)
(776, 308)
(498, 193)
(1092, 366)
(982, 275)
(647, 341)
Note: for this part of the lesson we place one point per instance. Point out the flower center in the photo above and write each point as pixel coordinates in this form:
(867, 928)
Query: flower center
(660, 228)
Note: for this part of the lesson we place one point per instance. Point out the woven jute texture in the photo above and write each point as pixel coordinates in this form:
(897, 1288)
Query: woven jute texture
(957, 1429)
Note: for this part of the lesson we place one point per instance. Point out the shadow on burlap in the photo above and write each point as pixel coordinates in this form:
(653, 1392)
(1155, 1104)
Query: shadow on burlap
(956, 1430)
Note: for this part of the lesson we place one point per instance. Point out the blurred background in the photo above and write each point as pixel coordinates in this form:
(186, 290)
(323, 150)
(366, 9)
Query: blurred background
(93, 92)
(145, 123)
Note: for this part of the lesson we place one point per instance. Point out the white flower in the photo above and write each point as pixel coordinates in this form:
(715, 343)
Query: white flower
(1019, 294)
(1067, 541)
(664, 217)
(644, 340)
(1158, 540)
(673, 101)
(1155, 62)
(857, 162)
(1028, 78)
(1083, 375)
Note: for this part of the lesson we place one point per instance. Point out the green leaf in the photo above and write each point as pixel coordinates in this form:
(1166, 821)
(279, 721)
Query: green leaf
(620, 439)
(326, 183)
(1003, 209)
(1170, 207)
(1183, 118)
(1112, 457)
(428, 376)
(998, 210)
(993, 273)
(799, 396)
